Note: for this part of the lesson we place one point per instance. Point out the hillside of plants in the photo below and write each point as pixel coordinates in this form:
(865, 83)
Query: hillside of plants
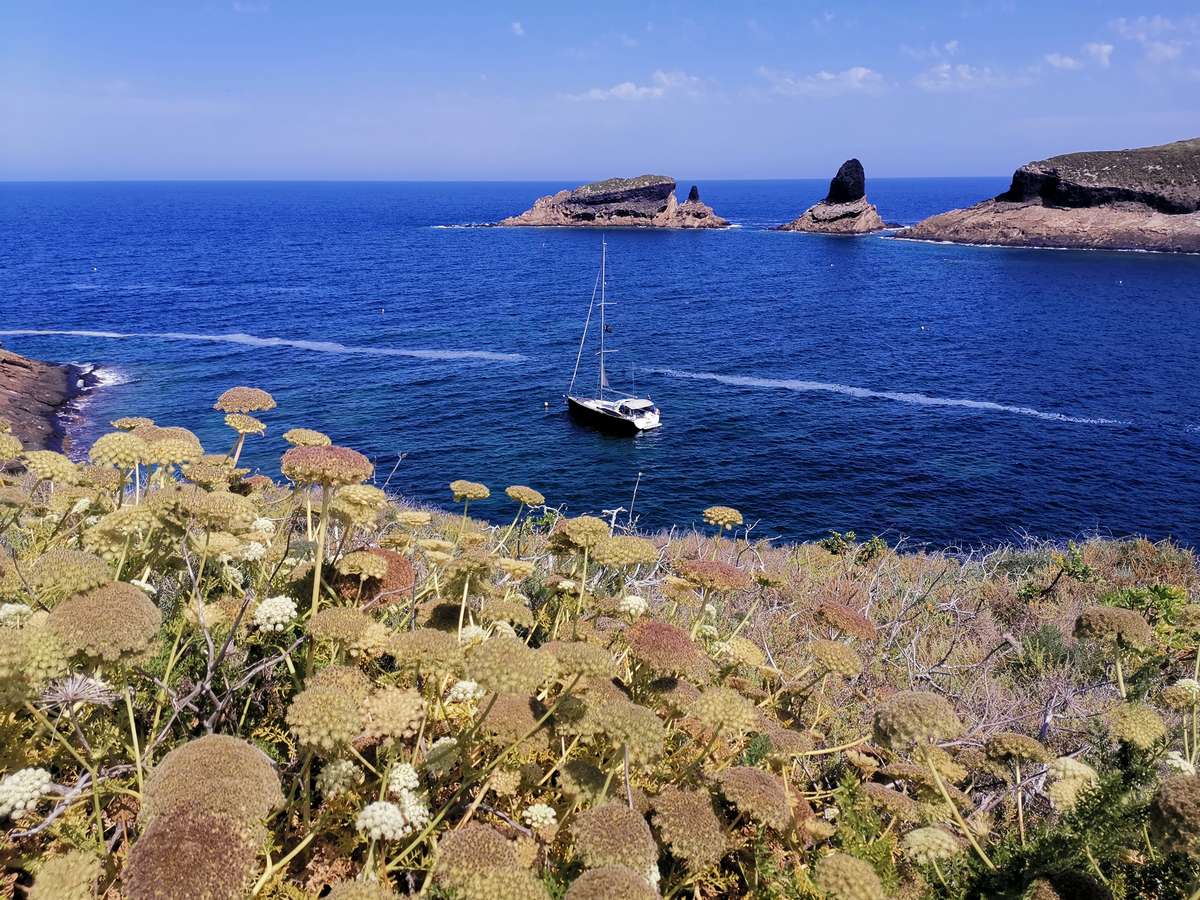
(215, 684)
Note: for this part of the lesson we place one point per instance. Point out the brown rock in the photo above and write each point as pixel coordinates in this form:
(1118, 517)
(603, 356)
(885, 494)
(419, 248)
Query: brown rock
(1143, 199)
(845, 209)
(32, 394)
(647, 201)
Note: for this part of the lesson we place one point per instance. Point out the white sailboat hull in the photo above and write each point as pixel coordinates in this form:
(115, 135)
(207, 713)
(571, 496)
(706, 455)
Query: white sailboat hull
(615, 415)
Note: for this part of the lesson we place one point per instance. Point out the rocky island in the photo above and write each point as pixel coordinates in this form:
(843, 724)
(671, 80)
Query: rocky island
(1142, 199)
(32, 394)
(845, 209)
(647, 201)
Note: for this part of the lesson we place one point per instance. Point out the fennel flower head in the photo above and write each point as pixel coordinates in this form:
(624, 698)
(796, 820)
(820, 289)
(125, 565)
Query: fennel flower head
(20, 791)
(244, 400)
(275, 613)
(540, 815)
(387, 821)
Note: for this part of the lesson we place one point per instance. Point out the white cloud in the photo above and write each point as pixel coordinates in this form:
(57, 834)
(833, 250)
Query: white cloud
(1163, 40)
(1101, 53)
(823, 83)
(518, 29)
(1062, 61)
(661, 83)
(1163, 51)
(933, 51)
(947, 78)
(1143, 28)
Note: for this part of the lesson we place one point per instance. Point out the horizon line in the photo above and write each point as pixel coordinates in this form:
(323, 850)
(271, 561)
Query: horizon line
(7, 181)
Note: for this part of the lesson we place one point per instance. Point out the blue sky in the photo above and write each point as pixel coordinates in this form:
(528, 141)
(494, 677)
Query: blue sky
(390, 90)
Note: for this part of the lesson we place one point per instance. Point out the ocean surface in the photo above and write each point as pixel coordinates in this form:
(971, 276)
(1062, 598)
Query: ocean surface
(955, 396)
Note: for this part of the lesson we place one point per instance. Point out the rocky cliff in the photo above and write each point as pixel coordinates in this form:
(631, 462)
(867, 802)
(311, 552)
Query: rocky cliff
(845, 209)
(31, 396)
(647, 201)
(1143, 199)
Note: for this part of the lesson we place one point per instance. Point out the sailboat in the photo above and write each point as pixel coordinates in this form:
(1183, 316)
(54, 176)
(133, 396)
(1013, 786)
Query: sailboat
(609, 410)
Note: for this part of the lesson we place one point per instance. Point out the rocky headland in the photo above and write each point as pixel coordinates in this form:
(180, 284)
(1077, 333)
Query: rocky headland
(845, 209)
(647, 201)
(32, 397)
(1142, 199)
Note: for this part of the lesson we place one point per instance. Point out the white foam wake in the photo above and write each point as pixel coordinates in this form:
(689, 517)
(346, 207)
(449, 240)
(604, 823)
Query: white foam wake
(791, 384)
(251, 340)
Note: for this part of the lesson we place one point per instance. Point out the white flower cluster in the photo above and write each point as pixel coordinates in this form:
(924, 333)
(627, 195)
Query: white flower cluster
(263, 525)
(20, 791)
(403, 777)
(275, 613)
(14, 614)
(1177, 762)
(539, 815)
(338, 777)
(633, 606)
(1192, 686)
(464, 691)
(253, 551)
(387, 821)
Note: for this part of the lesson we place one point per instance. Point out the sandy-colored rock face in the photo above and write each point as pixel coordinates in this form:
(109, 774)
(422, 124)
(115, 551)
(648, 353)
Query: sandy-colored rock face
(1145, 199)
(31, 394)
(858, 217)
(647, 201)
(845, 209)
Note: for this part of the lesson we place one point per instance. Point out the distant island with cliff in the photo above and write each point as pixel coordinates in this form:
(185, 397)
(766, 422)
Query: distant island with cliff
(1140, 199)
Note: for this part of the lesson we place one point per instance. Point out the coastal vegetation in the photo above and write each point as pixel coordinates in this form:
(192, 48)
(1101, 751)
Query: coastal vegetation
(215, 684)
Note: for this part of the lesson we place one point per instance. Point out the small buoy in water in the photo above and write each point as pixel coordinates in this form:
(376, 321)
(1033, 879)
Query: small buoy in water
(545, 404)
(381, 310)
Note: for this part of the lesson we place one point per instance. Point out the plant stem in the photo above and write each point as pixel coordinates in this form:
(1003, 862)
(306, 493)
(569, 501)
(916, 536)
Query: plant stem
(1020, 804)
(937, 779)
(137, 750)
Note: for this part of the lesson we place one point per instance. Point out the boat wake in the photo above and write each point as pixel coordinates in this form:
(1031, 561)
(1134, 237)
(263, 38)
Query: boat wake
(791, 384)
(250, 340)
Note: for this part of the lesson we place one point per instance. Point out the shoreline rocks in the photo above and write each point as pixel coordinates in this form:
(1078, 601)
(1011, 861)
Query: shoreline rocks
(845, 209)
(1142, 199)
(33, 396)
(647, 201)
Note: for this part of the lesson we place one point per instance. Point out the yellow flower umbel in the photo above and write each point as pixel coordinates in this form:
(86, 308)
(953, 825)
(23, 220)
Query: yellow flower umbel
(306, 437)
(330, 468)
(1014, 750)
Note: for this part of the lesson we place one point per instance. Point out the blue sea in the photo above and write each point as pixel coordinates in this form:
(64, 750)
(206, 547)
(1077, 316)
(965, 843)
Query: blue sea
(952, 396)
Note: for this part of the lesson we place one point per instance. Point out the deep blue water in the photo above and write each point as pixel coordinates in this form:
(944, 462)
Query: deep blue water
(813, 382)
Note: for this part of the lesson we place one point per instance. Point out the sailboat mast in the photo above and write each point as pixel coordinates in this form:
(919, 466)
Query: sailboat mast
(603, 253)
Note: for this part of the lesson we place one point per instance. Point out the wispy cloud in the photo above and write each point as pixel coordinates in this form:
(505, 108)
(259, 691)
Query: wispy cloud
(1162, 40)
(961, 77)
(661, 83)
(1101, 53)
(932, 51)
(823, 83)
(1062, 61)
(518, 29)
